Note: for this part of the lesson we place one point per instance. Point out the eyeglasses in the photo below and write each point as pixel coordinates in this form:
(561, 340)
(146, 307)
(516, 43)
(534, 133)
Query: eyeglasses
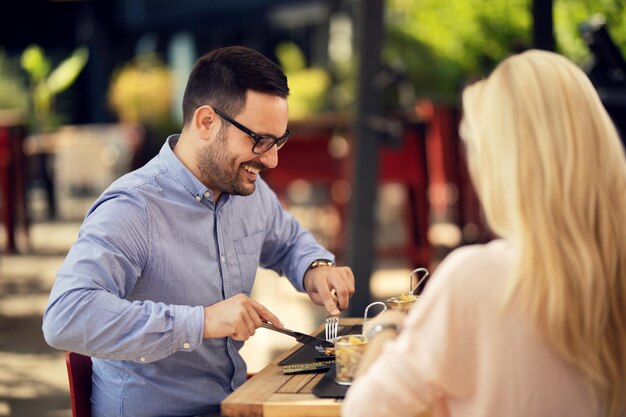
(262, 143)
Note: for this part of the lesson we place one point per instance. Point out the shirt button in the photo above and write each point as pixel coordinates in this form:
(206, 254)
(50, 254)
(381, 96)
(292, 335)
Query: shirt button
(186, 345)
(142, 359)
(223, 258)
(198, 197)
(207, 194)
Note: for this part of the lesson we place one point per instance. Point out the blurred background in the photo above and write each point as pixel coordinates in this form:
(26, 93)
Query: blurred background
(89, 90)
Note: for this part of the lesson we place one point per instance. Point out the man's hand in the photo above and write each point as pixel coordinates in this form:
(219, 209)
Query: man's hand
(237, 317)
(320, 281)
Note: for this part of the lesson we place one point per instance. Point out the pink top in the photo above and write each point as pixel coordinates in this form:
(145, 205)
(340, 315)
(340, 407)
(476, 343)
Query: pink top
(462, 354)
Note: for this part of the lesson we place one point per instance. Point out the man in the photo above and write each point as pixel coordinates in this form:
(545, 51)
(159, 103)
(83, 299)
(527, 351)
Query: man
(156, 288)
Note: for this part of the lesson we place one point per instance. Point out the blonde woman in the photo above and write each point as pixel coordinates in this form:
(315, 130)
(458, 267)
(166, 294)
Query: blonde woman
(533, 324)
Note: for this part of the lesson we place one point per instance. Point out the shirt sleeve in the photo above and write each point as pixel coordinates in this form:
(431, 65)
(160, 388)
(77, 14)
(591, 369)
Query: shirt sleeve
(288, 248)
(431, 358)
(88, 311)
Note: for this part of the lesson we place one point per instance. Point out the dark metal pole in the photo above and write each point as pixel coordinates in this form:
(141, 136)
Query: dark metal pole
(543, 25)
(360, 251)
(93, 32)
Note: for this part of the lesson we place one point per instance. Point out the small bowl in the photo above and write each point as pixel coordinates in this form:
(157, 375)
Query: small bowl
(348, 352)
(402, 302)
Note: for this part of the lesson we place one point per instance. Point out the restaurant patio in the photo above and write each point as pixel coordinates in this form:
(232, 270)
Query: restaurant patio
(374, 169)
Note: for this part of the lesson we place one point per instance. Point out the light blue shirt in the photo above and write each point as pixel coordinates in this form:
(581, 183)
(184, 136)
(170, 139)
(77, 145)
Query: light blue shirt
(152, 251)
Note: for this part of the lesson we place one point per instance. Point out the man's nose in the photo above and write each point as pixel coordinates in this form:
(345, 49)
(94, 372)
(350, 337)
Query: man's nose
(270, 158)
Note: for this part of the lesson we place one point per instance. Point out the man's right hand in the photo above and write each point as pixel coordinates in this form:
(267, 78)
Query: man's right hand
(237, 317)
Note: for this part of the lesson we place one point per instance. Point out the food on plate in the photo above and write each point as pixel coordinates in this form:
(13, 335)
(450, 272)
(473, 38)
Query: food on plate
(408, 297)
(329, 351)
(403, 302)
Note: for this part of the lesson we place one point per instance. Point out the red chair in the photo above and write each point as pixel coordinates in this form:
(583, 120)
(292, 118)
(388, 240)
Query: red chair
(12, 182)
(79, 375)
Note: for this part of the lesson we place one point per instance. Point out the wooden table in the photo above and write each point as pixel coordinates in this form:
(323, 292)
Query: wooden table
(270, 393)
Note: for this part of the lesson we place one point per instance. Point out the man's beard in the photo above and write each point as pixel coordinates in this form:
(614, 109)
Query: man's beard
(218, 170)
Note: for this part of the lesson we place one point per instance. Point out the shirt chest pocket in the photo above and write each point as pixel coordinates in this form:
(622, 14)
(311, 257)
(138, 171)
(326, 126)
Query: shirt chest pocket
(248, 250)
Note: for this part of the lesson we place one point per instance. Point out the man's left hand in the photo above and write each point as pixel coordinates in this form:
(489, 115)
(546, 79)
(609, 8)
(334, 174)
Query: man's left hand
(320, 281)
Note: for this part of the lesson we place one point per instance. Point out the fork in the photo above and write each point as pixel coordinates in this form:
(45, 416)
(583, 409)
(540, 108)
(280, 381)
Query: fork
(331, 325)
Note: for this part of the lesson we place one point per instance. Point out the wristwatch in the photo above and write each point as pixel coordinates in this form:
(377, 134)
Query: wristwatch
(315, 264)
(380, 327)
(320, 262)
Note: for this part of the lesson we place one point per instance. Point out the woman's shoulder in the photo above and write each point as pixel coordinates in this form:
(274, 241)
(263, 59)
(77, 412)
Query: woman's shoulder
(493, 254)
(474, 270)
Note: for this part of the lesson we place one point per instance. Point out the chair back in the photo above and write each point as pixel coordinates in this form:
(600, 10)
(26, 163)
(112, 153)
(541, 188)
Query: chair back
(79, 375)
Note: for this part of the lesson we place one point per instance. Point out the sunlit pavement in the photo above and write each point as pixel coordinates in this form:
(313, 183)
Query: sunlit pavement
(33, 378)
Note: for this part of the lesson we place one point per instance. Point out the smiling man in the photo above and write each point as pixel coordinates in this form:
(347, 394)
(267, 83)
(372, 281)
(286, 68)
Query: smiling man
(157, 287)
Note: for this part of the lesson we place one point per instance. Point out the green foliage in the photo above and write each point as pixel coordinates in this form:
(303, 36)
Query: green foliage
(442, 45)
(431, 74)
(308, 86)
(47, 82)
(290, 56)
(445, 44)
(13, 91)
(141, 92)
(569, 14)
(341, 95)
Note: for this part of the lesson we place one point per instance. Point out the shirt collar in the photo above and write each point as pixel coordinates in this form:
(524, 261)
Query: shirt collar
(180, 172)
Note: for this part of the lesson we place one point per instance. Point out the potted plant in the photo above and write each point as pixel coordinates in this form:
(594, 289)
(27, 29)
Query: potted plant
(46, 82)
(140, 93)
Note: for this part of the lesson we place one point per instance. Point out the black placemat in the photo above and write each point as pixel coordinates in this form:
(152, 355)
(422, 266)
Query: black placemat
(308, 353)
(328, 388)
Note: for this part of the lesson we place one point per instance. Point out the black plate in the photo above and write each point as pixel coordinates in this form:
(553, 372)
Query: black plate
(328, 388)
(307, 353)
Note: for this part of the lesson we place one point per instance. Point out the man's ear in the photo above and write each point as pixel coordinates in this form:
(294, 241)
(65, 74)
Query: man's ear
(204, 120)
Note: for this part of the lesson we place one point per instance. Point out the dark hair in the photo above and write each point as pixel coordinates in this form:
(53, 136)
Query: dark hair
(222, 78)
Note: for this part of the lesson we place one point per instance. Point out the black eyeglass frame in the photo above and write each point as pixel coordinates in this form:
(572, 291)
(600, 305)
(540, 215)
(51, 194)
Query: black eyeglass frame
(258, 139)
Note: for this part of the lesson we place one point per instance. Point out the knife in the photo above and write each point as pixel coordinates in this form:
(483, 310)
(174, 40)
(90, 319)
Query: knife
(300, 337)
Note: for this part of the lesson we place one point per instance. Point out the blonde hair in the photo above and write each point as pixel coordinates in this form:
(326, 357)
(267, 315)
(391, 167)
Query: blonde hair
(550, 171)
